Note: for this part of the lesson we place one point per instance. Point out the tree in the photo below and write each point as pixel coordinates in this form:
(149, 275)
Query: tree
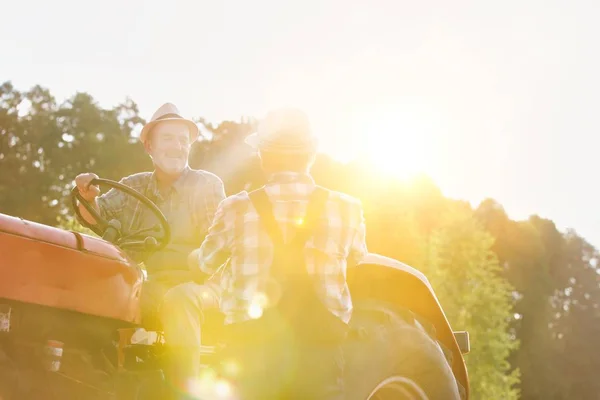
(557, 289)
(468, 280)
(577, 321)
(44, 145)
(221, 150)
(523, 252)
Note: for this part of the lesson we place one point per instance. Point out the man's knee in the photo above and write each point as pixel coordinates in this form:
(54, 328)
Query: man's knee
(180, 297)
(191, 296)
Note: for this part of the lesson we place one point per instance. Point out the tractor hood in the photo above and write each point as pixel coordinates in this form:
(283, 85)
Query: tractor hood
(59, 237)
(51, 267)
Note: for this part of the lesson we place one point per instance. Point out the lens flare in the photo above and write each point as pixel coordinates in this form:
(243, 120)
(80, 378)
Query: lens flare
(255, 311)
(210, 386)
(257, 305)
(230, 368)
(222, 388)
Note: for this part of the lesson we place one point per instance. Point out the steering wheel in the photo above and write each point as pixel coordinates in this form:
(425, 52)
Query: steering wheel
(111, 230)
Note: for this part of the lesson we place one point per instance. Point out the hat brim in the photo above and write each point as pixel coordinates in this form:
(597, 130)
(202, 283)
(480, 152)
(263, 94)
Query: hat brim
(256, 142)
(252, 140)
(194, 130)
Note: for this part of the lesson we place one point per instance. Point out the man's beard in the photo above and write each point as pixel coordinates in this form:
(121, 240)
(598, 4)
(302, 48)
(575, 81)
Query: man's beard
(170, 165)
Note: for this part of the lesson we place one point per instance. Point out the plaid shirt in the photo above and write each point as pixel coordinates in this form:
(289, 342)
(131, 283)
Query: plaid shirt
(238, 239)
(189, 207)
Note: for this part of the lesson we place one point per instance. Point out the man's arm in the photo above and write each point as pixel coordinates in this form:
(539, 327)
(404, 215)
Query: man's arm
(358, 248)
(215, 249)
(108, 205)
(89, 193)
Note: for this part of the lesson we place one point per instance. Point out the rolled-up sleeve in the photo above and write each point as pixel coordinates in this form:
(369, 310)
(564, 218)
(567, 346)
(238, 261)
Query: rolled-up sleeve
(215, 249)
(358, 247)
(110, 206)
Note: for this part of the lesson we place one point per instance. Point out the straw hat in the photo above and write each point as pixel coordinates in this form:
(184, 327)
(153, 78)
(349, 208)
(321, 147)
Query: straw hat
(169, 112)
(285, 131)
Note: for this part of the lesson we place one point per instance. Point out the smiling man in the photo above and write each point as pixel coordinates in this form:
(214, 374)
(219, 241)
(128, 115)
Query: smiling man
(188, 198)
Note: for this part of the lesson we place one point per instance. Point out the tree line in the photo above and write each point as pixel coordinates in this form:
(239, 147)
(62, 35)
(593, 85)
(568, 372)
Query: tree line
(527, 292)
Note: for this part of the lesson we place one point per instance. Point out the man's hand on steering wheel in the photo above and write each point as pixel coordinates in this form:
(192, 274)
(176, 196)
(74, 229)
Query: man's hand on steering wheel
(86, 191)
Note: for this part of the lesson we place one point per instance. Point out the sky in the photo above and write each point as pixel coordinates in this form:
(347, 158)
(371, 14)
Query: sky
(492, 99)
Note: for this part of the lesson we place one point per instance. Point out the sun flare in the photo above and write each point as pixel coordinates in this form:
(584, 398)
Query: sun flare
(394, 143)
(397, 156)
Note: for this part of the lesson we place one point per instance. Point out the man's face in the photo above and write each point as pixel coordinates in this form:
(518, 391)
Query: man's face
(169, 146)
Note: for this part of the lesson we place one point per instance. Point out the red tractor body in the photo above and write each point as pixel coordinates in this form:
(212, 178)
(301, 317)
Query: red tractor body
(67, 270)
(53, 269)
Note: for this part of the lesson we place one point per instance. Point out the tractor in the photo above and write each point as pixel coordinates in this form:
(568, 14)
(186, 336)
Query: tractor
(71, 325)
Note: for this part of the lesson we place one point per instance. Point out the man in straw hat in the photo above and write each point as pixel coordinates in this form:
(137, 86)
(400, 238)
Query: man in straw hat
(286, 301)
(188, 198)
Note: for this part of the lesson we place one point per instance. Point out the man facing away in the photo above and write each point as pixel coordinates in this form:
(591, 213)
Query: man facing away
(188, 198)
(287, 247)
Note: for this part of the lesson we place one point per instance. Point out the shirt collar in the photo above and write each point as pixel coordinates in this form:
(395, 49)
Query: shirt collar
(290, 177)
(177, 186)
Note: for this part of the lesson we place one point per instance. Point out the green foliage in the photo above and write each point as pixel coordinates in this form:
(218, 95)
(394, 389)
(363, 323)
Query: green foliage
(527, 293)
(44, 145)
(467, 278)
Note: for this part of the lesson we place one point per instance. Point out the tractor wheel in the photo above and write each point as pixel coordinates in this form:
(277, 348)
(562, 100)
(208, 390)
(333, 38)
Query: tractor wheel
(391, 355)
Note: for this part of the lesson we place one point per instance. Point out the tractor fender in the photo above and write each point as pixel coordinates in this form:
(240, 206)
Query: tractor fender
(380, 278)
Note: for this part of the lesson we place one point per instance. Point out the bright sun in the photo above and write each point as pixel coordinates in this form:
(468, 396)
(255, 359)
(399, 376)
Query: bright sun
(396, 155)
(394, 143)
